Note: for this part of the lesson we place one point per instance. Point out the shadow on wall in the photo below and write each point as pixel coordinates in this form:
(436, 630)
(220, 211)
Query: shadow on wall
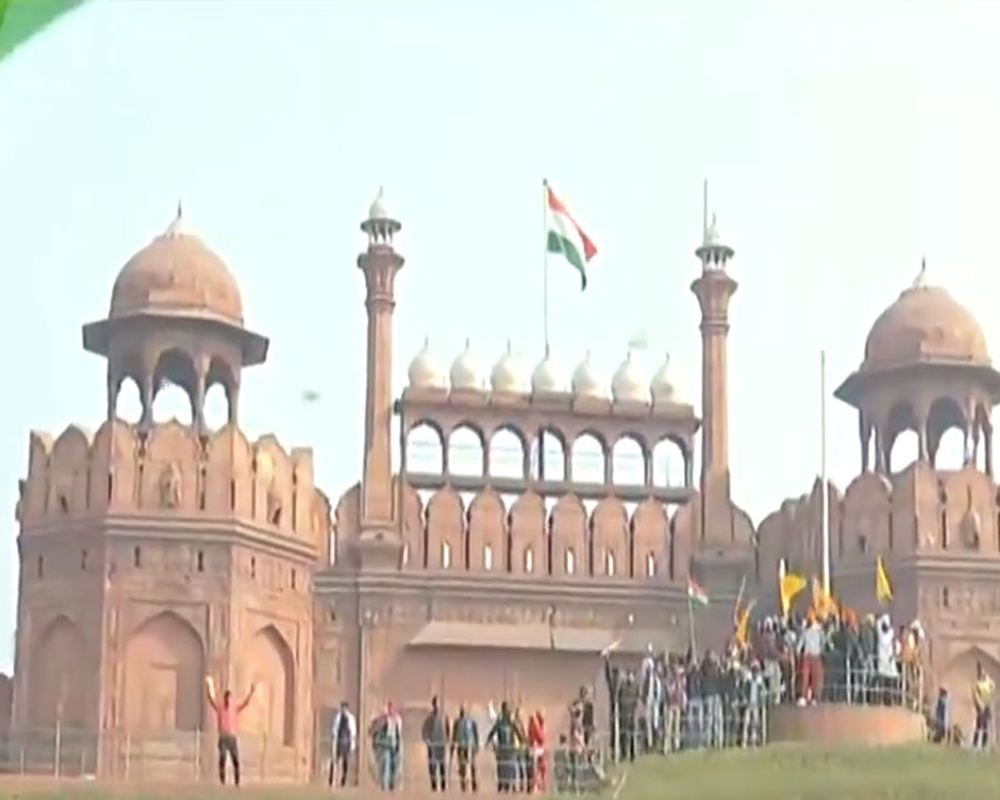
(6, 700)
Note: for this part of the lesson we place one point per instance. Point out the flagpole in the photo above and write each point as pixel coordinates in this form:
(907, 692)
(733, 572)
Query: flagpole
(693, 644)
(545, 263)
(545, 308)
(825, 511)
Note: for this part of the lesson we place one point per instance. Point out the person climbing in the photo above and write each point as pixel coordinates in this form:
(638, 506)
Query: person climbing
(226, 716)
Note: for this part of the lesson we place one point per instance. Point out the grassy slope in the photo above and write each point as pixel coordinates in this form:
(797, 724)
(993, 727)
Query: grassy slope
(797, 773)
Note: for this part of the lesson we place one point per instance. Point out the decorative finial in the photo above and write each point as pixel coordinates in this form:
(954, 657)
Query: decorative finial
(468, 343)
(180, 210)
(921, 280)
(427, 342)
(508, 347)
(713, 219)
(381, 192)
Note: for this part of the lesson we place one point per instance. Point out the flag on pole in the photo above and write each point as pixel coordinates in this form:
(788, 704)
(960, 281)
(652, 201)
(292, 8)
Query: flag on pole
(824, 603)
(742, 635)
(566, 238)
(695, 593)
(789, 587)
(883, 589)
(22, 19)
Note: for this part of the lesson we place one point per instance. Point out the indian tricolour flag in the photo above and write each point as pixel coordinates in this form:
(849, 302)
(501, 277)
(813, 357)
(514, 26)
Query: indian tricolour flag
(22, 19)
(565, 237)
(696, 594)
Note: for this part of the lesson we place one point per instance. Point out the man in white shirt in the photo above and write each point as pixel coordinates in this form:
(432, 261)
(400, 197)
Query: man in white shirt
(343, 740)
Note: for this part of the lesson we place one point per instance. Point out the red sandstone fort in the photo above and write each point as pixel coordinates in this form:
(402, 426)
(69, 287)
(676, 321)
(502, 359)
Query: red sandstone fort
(152, 554)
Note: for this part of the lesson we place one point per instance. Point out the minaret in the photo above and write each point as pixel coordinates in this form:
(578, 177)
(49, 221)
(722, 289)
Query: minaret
(379, 263)
(713, 288)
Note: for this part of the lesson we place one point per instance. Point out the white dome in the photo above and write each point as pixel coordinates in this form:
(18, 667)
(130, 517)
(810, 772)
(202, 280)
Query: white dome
(661, 387)
(465, 373)
(423, 372)
(507, 374)
(547, 377)
(377, 210)
(586, 381)
(629, 384)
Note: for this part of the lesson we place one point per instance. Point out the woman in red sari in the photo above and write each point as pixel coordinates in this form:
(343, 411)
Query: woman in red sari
(537, 746)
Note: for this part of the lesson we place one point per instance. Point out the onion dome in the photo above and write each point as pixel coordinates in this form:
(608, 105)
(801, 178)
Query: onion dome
(177, 275)
(925, 324)
(465, 373)
(629, 385)
(547, 377)
(661, 387)
(378, 210)
(507, 374)
(423, 372)
(586, 381)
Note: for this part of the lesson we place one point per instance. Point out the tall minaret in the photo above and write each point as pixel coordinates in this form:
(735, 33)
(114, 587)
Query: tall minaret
(713, 288)
(379, 263)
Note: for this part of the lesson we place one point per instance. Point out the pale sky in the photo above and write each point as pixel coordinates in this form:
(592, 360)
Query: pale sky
(842, 141)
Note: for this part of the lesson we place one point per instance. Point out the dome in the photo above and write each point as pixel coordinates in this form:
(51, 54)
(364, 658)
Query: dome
(377, 210)
(661, 387)
(465, 373)
(925, 323)
(507, 374)
(177, 273)
(586, 381)
(629, 385)
(423, 372)
(547, 377)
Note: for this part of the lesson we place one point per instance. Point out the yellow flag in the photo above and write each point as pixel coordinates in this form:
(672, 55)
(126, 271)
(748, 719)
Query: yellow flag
(789, 587)
(883, 589)
(743, 625)
(823, 604)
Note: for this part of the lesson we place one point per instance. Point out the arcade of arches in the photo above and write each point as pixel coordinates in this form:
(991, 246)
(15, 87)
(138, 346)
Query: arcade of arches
(58, 688)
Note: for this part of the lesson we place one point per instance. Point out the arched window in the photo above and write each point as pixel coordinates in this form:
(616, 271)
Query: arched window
(529, 560)
(570, 561)
(650, 565)
(446, 555)
(609, 563)
(487, 557)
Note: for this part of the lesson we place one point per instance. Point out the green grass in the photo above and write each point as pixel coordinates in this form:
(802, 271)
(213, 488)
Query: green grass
(807, 773)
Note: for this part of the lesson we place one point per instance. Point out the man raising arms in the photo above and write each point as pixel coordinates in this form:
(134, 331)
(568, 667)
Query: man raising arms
(226, 715)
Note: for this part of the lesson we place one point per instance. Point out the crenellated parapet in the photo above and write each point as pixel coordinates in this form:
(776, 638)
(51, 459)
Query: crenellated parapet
(170, 470)
(488, 533)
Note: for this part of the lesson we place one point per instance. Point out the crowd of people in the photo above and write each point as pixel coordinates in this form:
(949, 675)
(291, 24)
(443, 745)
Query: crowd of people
(682, 701)
(668, 703)
(519, 745)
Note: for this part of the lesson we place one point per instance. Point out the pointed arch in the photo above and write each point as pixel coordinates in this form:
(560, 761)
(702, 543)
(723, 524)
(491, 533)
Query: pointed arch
(271, 666)
(57, 682)
(164, 671)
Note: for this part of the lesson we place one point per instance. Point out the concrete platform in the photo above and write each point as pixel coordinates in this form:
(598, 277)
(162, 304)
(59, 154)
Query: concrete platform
(840, 723)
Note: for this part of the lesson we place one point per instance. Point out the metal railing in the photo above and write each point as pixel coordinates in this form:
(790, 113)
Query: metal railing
(176, 756)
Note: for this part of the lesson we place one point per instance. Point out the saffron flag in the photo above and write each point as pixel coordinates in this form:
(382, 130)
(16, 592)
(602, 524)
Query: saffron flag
(883, 589)
(823, 604)
(743, 625)
(789, 587)
(22, 19)
(695, 593)
(565, 237)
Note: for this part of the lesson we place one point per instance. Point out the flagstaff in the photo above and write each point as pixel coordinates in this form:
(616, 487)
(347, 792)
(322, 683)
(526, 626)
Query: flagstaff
(545, 262)
(824, 510)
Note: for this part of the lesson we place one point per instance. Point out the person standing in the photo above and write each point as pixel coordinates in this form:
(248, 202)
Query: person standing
(436, 735)
(537, 744)
(503, 738)
(386, 733)
(811, 647)
(983, 691)
(226, 716)
(344, 740)
(465, 744)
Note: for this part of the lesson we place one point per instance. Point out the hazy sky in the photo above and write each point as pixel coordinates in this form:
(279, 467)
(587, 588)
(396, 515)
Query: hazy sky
(842, 142)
